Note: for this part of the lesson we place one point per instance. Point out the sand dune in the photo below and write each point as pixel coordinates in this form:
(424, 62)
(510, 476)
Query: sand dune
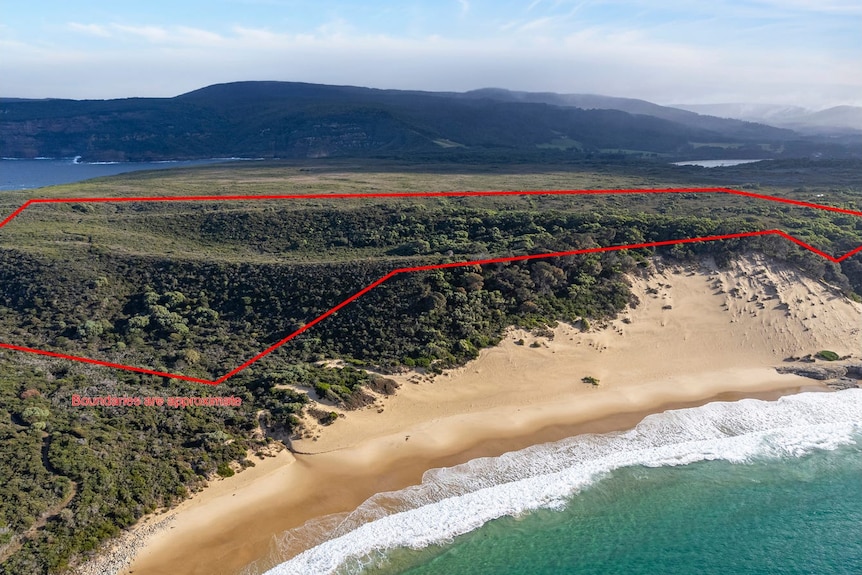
(694, 334)
(697, 335)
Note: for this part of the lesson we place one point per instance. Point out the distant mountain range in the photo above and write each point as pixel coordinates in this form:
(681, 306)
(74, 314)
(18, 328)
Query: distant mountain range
(831, 120)
(297, 120)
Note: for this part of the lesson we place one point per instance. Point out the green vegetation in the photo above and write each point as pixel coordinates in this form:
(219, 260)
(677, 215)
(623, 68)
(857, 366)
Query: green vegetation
(225, 470)
(828, 355)
(287, 120)
(590, 379)
(199, 288)
(85, 473)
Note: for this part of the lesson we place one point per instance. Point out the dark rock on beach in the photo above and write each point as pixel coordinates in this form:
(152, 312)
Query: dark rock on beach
(838, 377)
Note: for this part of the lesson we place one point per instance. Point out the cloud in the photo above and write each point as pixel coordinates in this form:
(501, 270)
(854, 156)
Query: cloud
(536, 24)
(738, 9)
(91, 29)
(149, 33)
(818, 6)
(532, 5)
(184, 35)
(534, 54)
(199, 37)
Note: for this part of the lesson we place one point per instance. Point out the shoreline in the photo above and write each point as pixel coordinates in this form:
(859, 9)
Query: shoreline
(258, 511)
(696, 337)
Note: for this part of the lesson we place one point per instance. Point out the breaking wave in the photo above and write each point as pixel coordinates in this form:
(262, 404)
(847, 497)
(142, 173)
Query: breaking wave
(453, 501)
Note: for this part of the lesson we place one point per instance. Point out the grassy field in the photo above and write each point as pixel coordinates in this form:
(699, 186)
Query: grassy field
(172, 229)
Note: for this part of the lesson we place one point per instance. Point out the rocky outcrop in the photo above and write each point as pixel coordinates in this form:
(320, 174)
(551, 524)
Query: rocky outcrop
(820, 372)
(837, 376)
(843, 383)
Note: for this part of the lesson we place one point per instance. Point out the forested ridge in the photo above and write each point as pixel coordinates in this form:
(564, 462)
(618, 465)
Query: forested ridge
(99, 282)
(295, 120)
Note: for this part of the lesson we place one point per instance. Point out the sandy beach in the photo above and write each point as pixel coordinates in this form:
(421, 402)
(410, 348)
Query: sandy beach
(698, 335)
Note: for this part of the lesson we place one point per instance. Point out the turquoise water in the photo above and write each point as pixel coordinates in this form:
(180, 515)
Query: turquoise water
(747, 487)
(779, 517)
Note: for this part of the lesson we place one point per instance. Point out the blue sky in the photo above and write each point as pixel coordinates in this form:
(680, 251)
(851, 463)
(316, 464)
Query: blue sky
(800, 52)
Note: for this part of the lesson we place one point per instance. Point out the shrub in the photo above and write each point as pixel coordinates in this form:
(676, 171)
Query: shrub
(591, 380)
(90, 329)
(192, 356)
(225, 470)
(329, 418)
(33, 415)
(828, 355)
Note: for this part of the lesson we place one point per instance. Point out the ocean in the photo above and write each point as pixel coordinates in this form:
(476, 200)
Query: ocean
(747, 487)
(21, 174)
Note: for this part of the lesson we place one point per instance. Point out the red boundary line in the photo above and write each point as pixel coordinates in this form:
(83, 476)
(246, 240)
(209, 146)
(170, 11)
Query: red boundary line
(395, 272)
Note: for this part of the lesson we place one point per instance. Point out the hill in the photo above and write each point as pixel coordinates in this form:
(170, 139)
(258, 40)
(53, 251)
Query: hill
(831, 120)
(724, 125)
(295, 120)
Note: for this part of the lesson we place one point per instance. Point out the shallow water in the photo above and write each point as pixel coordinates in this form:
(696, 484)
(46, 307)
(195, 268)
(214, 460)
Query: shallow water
(742, 487)
(797, 515)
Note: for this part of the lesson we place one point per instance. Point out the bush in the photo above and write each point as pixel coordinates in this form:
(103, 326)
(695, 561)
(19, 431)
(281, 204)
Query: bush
(90, 329)
(329, 418)
(591, 380)
(828, 355)
(225, 470)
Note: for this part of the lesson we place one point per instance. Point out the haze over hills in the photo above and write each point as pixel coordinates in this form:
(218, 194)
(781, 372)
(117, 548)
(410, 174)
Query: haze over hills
(847, 118)
(298, 120)
(723, 125)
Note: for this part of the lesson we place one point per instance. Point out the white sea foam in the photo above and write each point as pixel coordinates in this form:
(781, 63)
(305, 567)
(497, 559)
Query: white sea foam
(453, 501)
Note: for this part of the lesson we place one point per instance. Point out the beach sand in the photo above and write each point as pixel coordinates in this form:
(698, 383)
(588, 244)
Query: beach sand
(698, 335)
